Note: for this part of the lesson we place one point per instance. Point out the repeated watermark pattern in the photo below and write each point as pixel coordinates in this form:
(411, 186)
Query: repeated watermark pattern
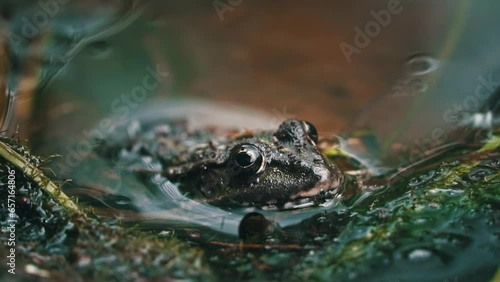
(472, 103)
(457, 115)
(11, 221)
(417, 79)
(121, 107)
(363, 37)
(31, 26)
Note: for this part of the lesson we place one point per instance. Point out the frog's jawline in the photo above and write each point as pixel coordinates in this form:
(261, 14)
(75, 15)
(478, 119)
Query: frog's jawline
(331, 180)
(327, 187)
(332, 184)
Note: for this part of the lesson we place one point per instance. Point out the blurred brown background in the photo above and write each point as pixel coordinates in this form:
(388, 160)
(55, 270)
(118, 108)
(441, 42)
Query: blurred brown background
(281, 57)
(276, 54)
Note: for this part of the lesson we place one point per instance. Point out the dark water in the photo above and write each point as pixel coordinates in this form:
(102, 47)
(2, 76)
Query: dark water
(434, 220)
(421, 217)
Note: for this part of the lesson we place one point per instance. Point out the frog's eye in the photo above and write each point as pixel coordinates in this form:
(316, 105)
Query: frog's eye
(246, 160)
(311, 131)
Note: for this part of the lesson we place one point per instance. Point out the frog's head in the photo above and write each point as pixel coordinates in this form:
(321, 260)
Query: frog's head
(265, 168)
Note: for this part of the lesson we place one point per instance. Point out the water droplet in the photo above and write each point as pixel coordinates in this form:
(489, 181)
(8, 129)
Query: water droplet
(419, 255)
(421, 64)
(165, 233)
(322, 219)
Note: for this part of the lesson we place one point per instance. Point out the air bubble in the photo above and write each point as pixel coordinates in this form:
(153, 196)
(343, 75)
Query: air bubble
(421, 64)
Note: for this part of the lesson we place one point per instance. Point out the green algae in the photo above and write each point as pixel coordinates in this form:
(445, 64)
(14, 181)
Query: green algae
(445, 228)
(439, 224)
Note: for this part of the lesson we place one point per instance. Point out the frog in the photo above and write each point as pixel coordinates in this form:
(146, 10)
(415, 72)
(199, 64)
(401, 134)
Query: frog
(260, 168)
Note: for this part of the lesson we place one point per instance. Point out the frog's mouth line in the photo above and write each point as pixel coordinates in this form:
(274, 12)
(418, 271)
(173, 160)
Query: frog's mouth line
(330, 185)
(330, 181)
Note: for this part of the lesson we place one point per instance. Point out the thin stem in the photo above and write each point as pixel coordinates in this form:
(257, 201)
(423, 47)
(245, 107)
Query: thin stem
(38, 177)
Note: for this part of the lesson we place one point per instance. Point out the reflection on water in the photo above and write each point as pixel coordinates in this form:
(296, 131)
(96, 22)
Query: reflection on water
(429, 216)
(40, 40)
(68, 76)
(125, 179)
